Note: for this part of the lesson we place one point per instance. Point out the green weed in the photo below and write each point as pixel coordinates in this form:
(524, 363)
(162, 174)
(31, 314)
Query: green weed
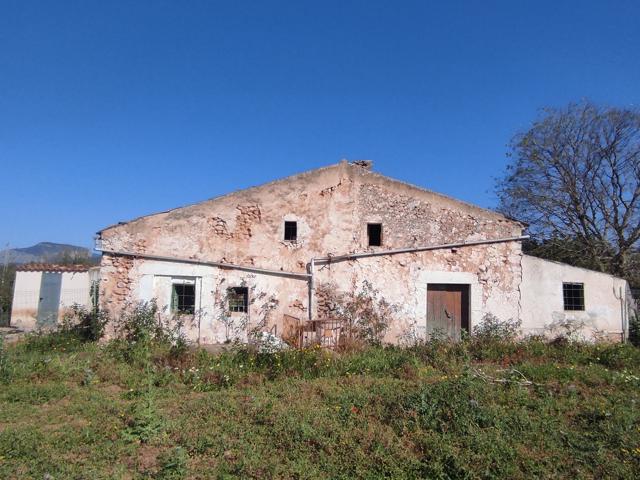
(494, 408)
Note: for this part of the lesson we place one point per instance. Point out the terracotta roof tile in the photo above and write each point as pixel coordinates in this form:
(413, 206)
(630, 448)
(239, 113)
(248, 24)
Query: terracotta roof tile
(51, 267)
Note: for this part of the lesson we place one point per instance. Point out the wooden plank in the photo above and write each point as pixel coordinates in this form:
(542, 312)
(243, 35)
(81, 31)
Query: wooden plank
(447, 309)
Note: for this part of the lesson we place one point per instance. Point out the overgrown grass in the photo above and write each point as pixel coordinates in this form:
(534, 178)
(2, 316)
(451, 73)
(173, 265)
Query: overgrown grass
(482, 408)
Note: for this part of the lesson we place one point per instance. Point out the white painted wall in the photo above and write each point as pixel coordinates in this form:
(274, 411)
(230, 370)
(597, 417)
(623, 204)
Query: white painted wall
(26, 296)
(210, 321)
(75, 289)
(153, 280)
(605, 315)
(537, 300)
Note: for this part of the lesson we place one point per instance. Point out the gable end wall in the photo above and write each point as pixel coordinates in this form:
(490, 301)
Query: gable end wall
(332, 207)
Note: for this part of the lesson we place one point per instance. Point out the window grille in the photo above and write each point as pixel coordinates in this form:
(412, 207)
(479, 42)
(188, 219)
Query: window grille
(291, 231)
(573, 295)
(183, 296)
(238, 299)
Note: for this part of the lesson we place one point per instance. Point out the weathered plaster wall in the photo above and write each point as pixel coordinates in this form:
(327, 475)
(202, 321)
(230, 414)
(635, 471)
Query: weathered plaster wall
(332, 207)
(543, 306)
(26, 296)
(75, 289)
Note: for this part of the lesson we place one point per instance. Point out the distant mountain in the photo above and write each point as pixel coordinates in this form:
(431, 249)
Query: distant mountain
(42, 252)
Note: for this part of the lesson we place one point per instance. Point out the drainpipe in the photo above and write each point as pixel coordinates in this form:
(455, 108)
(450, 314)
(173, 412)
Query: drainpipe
(200, 312)
(623, 320)
(312, 286)
(622, 312)
(191, 261)
(351, 256)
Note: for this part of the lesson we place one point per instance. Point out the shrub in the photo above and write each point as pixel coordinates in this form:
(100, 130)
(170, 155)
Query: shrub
(441, 353)
(79, 325)
(145, 421)
(45, 341)
(173, 465)
(87, 325)
(6, 369)
(615, 356)
(492, 329)
(634, 330)
(365, 315)
(565, 331)
(139, 324)
(140, 328)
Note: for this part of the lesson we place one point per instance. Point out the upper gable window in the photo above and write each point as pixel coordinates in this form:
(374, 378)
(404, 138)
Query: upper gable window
(290, 231)
(573, 296)
(374, 234)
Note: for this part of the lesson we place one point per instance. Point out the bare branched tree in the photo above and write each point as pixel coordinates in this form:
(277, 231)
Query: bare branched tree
(575, 176)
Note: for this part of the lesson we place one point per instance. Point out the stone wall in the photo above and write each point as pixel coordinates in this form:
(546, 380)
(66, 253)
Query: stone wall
(332, 206)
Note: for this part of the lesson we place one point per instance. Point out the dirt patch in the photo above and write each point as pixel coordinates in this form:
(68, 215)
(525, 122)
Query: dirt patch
(112, 389)
(11, 334)
(146, 459)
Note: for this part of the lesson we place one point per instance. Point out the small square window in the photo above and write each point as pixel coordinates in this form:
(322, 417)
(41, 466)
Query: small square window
(183, 298)
(374, 233)
(291, 231)
(238, 299)
(573, 295)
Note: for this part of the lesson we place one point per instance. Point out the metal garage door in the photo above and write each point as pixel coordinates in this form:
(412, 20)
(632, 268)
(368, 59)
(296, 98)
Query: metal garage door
(50, 285)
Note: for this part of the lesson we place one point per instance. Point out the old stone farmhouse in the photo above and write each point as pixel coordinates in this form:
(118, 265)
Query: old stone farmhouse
(260, 260)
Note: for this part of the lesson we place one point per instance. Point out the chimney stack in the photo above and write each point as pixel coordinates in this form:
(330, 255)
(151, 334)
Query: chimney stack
(366, 164)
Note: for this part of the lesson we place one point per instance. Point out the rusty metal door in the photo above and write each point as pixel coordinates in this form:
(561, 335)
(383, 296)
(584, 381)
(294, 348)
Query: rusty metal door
(447, 310)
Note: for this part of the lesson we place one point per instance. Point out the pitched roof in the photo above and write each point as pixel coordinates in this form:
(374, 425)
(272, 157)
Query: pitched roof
(52, 267)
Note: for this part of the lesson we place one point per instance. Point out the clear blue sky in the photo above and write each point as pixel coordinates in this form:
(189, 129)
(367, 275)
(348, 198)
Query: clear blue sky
(110, 110)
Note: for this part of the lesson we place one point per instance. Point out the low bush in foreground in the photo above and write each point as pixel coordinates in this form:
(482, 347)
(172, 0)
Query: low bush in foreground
(481, 408)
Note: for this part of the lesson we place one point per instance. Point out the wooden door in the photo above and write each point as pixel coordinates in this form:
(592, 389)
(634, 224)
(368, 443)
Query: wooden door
(447, 310)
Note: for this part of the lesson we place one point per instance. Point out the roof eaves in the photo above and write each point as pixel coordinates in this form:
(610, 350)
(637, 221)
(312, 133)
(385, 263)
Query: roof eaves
(52, 267)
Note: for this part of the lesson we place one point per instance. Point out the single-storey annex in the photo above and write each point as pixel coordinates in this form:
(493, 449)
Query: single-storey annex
(43, 293)
(259, 260)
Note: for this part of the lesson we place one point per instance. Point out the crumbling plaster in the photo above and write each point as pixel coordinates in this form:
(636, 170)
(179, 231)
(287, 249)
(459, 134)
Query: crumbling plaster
(332, 206)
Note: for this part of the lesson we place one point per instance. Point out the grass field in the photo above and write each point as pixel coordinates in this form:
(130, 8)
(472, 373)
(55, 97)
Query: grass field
(470, 410)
